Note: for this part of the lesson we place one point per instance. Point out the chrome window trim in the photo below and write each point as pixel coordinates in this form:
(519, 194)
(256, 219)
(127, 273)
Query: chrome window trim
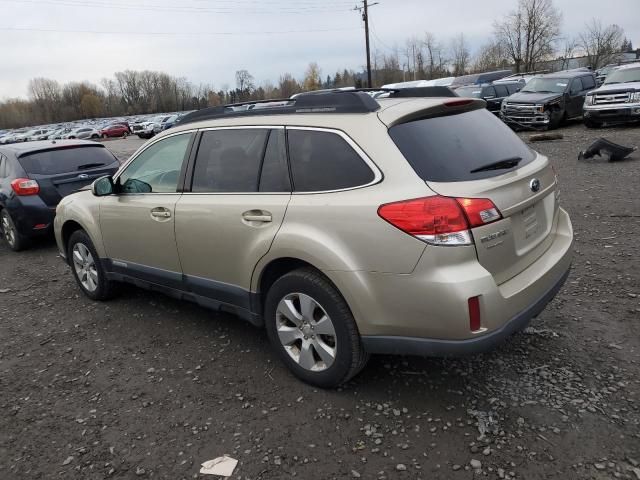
(377, 174)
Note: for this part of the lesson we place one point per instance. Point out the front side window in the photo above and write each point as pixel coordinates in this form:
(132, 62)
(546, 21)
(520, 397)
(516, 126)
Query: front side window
(229, 160)
(156, 169)
(323, 161)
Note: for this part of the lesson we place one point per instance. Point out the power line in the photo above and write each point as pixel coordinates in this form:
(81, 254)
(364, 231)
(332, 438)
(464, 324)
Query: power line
(96, 32)
(224, 9)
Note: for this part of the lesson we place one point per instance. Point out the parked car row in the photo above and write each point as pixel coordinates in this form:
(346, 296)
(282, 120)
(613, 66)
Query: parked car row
(538, 100)
(342, 224)
(93, 129)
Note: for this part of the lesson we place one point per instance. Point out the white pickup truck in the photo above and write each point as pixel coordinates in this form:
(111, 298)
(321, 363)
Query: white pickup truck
(617, 100)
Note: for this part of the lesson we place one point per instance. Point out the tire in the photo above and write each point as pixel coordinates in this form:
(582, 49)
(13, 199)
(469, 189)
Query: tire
(104, 136)
(90, 274)
(94, 136)
(14, 239)
(343, 355)
(592, 123)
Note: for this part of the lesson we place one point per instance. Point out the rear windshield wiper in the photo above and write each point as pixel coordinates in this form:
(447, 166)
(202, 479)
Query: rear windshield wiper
(499, 165)
(90, 165)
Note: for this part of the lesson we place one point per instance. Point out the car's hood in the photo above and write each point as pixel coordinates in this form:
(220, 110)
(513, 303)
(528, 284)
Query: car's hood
(533, 97)
(619, 87)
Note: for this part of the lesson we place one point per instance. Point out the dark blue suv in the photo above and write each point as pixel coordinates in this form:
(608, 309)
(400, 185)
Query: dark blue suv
(34, 176)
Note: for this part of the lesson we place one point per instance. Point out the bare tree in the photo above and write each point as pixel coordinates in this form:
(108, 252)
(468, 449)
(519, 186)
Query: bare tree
(244, 81)
(460, 55)
(601, 44)
(568, 52)
(312, 80)
(529, 33)
(435, 61)
(491, 56)
(287, 85)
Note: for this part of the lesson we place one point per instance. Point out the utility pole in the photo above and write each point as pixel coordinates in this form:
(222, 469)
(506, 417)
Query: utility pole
(365, 19)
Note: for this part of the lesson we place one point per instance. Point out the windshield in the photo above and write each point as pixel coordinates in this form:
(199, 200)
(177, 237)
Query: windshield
(624, 76)
(547, 85)
(473, 92)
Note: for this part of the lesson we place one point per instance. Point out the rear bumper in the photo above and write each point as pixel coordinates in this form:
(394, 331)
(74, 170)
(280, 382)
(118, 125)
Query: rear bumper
(433, 347)
(426, 312)
(31, 216)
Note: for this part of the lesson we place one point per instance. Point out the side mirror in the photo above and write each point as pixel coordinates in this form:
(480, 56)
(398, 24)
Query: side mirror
(103, 186)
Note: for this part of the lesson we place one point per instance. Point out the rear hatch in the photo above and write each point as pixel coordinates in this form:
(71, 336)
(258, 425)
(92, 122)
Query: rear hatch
(62, 170)
(472, 154)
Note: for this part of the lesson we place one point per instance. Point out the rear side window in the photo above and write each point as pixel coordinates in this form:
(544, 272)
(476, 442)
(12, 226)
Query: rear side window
(449, 148)
(229, 160)
(488, 92)
(588, 82)
(66, 160)
(513, 88)
(323, 161)
(501, 91)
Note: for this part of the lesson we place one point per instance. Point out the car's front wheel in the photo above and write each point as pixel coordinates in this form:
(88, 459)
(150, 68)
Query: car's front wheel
(87, 268)
(311, 327)
(14, 239)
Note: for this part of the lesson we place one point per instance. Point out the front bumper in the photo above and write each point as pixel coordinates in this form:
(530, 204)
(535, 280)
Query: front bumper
(613, 113)
(426, 312)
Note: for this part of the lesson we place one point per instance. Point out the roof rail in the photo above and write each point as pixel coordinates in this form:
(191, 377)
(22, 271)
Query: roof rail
(411, 92)
(324, 102)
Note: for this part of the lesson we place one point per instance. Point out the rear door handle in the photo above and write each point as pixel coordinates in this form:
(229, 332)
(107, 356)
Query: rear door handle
(257, 216)
(160, 212)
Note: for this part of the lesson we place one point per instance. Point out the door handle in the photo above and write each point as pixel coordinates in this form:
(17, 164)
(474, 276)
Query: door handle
(257, 216)
(160, 212)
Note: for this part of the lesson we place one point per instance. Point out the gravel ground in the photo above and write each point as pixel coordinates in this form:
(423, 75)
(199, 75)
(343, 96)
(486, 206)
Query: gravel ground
(148, 387)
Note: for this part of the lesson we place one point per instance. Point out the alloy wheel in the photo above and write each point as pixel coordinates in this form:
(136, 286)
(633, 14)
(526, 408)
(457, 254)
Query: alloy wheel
(85, 267)
(306, 332)
(8, 231)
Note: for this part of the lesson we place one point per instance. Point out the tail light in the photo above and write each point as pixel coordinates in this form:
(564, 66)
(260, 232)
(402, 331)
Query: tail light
(440, 220)
(25, 186)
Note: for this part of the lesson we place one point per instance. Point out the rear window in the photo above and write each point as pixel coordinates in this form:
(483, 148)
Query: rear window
(449, 148)
(65, 160)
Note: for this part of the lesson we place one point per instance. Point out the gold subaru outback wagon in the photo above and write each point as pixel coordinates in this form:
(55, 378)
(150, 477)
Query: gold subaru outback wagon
(343, 224)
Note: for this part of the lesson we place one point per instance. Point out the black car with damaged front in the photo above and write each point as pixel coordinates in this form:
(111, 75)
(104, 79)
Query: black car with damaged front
(548, 100)
(35, 176)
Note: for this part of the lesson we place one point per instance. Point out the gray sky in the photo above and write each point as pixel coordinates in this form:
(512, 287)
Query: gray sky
(50, 38)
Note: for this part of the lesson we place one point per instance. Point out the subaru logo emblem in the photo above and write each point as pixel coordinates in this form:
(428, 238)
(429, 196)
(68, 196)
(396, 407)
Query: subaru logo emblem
(534, 185)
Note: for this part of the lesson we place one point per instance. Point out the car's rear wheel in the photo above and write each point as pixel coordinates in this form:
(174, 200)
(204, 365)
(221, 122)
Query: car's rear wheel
(311, 327)
(87, 268)
(14, 239)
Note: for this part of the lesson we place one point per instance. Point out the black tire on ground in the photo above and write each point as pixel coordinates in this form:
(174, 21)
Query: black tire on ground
(106, 288)
(592, 123)
(15, 240)
(95, 135)
(350, 357)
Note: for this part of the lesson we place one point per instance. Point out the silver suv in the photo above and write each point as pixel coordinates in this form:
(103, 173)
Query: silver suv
(344, 225)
